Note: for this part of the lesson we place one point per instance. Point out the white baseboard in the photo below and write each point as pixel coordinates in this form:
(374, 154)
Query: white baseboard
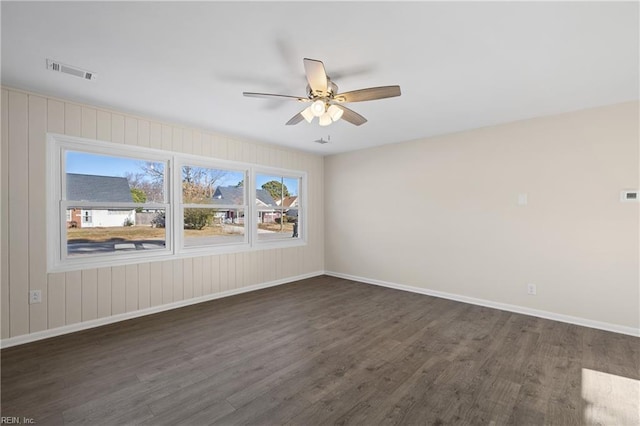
(45, 334)
(496, 305)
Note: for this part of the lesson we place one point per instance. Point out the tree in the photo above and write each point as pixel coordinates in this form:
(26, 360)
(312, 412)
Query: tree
(151, 186)
(198, 183)
(240, 184)
(138, 196)
(277, 190)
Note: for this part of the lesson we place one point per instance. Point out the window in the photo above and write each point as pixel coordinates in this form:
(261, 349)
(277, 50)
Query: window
(105, 193)
(112, 204)
(278, 207)
(213, 206)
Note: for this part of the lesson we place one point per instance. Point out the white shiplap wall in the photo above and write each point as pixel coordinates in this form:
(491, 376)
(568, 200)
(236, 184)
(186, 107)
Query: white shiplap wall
(91, 294)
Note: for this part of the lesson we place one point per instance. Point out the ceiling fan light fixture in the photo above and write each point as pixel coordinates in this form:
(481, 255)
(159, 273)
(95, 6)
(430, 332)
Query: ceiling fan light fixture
(308, 114)
(325, 119)
(335, 112)
(318, 108)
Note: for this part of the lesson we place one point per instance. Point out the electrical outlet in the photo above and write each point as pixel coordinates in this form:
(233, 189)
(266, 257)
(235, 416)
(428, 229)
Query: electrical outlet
(531, 289)
(35, 296)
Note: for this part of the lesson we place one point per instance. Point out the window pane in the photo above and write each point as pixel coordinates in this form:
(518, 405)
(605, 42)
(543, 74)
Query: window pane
(94, 177)
(277, 224)
(275, 189)
(277, 202)
(102, 231)
(206, 227)
(202, 185)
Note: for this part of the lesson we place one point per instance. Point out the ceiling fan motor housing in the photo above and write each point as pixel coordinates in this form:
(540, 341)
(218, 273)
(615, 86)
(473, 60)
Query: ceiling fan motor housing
(332, 88)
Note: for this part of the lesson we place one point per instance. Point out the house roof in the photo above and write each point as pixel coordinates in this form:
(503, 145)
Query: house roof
(289, 201)
(233, 195)
(264, 196)
(98, 188)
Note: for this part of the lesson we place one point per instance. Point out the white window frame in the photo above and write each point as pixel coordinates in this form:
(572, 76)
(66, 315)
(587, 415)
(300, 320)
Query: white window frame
(57, 204)
(192, 160)
(302, 208)
(59, 261)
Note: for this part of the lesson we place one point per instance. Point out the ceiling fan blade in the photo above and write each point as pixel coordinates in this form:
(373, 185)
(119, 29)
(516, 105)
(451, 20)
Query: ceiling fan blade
(370, 94)
(272, 96)
(316, 75)
(351, 116)
(295, 119)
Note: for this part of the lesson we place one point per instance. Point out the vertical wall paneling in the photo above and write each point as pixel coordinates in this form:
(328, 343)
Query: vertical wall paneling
(278, 268)
(197, 276)
(167, 281)
(187, 274)
(216, 286)
(155, 284)
(117, 128)
(166, 137)
(178, 280)
(207, 276)
(103, 126)
(72, 119)
(143, 286)
(223, 270)
(268, 257)
(104, 292)
(56, 311)
(205, 144)
(4, 216)
(234, 150)
(240, 270)
(155, 135)
(262, 156)
(197, 143)
(118, 290)
(85, 295)
(55, 116)
(176, 139)
(18, 214)
(56, 301)
(88, 123)
(130, 131)
(219, 148)
(143, 133)
(131, 288)
(187, 141)
(73, 297)
(260, 266)
(251, 264)
(37, 205)
(89, 294)
(231, 271)
(249, 153)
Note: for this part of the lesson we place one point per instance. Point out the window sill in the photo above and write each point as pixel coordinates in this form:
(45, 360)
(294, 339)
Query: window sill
(133, 259)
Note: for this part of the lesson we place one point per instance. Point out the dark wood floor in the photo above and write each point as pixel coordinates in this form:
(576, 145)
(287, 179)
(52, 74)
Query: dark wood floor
(327, 351)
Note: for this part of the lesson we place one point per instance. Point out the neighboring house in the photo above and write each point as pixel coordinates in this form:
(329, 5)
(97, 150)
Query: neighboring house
(98, 189)
(290, 204)
(234, 195)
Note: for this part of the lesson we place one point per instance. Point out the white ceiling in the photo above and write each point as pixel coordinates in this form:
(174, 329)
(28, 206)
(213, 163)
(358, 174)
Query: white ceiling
(460, 65)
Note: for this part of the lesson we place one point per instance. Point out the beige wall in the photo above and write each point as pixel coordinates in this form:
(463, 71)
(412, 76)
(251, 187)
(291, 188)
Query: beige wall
(78, 296)
(442, 214)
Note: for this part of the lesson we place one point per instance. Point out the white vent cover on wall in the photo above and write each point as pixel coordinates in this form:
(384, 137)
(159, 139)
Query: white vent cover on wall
(69, 69)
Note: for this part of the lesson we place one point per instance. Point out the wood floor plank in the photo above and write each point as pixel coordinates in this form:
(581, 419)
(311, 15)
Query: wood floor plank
(326, 351)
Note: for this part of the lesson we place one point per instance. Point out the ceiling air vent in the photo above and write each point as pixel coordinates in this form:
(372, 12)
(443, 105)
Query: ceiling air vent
(322, 141)
(69, 69)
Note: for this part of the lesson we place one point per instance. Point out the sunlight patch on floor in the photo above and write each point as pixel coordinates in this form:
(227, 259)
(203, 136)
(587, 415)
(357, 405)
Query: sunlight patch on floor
(610, 399)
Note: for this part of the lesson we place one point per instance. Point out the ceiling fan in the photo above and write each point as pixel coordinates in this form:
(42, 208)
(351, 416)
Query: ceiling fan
(326, 102)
